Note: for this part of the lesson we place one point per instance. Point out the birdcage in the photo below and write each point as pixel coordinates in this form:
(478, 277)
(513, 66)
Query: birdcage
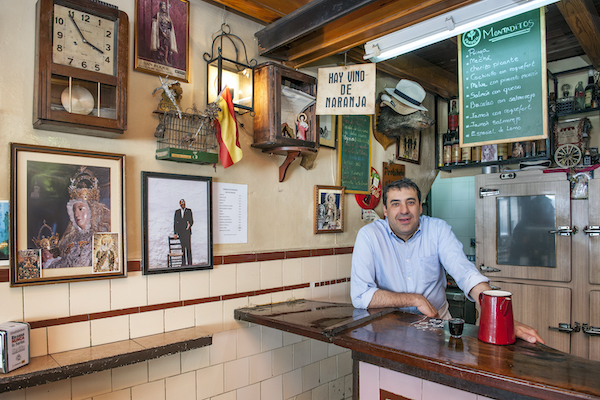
(186, 137)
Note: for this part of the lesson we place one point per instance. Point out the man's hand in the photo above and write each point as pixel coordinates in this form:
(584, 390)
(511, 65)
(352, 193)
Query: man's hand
(527, 333)
(384, 298)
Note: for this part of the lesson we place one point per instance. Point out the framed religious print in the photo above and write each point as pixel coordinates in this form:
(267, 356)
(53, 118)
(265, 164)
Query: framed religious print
(327, 132)
(4, 220)
(161, 38)
(64, 205)
(329, 209)
(409, 146)
(176, 223)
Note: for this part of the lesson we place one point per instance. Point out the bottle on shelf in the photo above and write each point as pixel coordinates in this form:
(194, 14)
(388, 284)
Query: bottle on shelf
(447, 148)
(453, 116)
(540, 146)
(579, 97)
(466, 155)
(456, 153)
(476, 154)
(502, 151)
(528, 147)
(591, 91)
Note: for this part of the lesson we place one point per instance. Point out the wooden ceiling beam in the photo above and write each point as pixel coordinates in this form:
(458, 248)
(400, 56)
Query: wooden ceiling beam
(303, 21)
(262, 11)
(408, 66)
(583, 19)
(370, 22)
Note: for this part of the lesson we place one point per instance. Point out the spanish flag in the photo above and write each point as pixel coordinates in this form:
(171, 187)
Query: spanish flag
(230, 151)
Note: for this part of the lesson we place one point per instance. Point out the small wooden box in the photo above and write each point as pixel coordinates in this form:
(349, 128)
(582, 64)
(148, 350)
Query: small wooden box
(270, 79)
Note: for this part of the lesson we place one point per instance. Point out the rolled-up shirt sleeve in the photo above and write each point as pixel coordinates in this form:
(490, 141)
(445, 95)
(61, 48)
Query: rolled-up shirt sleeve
(362, 283)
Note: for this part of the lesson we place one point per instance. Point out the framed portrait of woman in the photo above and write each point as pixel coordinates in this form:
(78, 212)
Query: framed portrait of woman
(68, 224)
(161, 38)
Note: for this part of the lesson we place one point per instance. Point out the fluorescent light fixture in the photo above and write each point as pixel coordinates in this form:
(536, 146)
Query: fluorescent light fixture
(447, 25)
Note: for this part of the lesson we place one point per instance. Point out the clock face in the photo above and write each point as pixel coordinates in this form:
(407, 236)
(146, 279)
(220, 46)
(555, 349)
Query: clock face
(83, 40)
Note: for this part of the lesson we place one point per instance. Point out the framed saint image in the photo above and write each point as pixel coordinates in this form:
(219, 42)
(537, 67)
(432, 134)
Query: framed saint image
(65, 197)
(329, 209)
(4, 222)
(409, 146)
(161, 38)
(176, 223)
(327, 131)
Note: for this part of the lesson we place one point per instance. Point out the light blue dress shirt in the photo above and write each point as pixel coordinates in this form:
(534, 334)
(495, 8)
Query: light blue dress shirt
(382, 260)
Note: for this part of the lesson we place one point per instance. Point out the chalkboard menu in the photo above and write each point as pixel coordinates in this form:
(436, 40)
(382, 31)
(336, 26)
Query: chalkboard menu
(354, 152)
(502, 81)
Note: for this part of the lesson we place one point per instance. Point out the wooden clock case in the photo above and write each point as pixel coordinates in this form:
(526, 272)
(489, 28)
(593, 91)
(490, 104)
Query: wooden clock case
(109, 117)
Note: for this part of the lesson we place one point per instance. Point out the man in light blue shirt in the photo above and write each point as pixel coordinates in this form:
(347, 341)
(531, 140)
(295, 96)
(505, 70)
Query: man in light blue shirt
(401, 261)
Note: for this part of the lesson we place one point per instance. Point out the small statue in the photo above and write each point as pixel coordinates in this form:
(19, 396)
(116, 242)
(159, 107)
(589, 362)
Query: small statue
(171, 95)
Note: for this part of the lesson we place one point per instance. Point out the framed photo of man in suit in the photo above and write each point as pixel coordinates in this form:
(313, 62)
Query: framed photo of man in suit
(177, 222)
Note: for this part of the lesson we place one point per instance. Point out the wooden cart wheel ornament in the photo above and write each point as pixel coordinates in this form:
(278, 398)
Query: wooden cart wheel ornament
(567, 155)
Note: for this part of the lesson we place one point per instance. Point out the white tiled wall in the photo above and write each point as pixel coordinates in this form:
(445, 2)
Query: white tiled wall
(245, 361)
(372, 378)
(453, 200)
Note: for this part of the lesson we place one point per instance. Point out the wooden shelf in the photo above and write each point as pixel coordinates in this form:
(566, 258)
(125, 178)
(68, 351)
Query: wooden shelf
(70, 364)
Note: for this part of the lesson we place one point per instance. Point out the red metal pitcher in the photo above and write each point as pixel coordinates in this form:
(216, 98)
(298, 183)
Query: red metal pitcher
(496, 325)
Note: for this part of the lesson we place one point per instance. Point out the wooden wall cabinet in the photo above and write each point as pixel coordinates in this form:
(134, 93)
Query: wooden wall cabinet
(272, 110)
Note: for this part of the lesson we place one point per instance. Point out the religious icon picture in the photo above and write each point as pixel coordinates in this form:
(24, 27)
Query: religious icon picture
(329, 209)
(105, 257)
(28, 264)
(4, 221)
(177, 223)
(161, 42)
(67, 197)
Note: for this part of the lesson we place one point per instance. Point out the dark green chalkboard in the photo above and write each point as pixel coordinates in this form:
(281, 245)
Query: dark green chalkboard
(502, 81)
(354, 153)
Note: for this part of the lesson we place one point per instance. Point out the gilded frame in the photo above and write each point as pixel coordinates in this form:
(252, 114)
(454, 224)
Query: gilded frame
(53, 192)
(176, 64)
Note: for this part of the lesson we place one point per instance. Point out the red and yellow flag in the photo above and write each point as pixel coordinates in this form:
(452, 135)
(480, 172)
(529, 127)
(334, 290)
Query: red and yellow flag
(228, 136)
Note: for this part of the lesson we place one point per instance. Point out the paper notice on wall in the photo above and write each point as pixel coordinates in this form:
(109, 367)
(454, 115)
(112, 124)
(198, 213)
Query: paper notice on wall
(230, 213)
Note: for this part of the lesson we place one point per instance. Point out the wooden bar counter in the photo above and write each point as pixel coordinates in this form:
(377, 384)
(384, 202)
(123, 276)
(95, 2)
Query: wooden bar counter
(413, 345)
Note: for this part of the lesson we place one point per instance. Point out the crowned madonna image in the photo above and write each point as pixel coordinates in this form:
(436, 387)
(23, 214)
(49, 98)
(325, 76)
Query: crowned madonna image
(57, 188)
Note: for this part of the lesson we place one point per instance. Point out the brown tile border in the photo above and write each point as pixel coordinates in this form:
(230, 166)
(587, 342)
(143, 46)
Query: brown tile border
(156, 307)
(135, 265)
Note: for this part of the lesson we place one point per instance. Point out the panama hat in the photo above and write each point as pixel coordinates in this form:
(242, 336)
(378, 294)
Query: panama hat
(407, 97)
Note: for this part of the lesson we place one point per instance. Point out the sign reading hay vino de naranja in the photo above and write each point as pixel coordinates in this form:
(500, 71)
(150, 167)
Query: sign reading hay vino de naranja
(503, 82)
(348, 90)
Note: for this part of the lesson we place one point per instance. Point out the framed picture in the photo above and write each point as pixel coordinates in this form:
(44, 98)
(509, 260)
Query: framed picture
(62, 200)
(329, 209)
(177, 223)
(161, 38)
(409, 146)
(4, 221)
(327, 131)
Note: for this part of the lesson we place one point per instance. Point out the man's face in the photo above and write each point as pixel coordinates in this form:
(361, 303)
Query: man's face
(81, 214)
(402, 211)
(182, 203)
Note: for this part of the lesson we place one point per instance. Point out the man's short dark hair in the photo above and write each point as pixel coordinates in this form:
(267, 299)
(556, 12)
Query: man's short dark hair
(403, 183)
